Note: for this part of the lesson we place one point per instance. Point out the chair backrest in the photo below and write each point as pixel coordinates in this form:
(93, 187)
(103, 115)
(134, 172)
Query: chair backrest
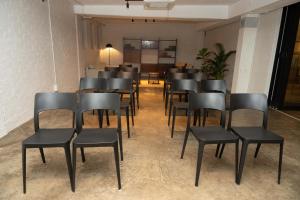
(213, 86)
(173, 76)
(107, 74)
(95, 101)
(215, 101)
(94, 84)
(116, 69)
(188, 85)
(128, 75)
(122, 84)
(254, 101)
(195, 76)
(53, 101)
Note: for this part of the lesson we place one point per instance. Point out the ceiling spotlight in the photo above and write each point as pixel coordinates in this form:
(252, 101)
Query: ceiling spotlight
(127, 4)
(146, 20)
(132, 20)
(153, 20)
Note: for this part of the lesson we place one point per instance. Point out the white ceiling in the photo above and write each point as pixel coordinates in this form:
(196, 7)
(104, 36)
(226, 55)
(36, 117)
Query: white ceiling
(177, 2)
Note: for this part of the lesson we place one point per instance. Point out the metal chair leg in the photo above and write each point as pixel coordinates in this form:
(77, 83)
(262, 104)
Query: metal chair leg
(127, 120)
(24, 168)
(107, 118)
(236, 160)
(69, 164)
(42, 155)
(74, 168)
(170, 111)
(222, 149)
(184, 142)
(217, 150)
(166, 101)
(173, 121)
(242, 160)
(82, 154)
(132, 114)
(116, 152)
(199, 162)
(280, 161)
(257, 150)
(121, 145)
(100, 118)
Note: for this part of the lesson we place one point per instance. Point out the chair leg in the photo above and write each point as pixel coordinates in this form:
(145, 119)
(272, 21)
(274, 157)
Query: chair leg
(217, 150)
(170, 111)
(242, 160)
(24, 168)
(199, 116)
(236, 160)
(166, 102)
(195, 118)
(138, 98)
(132, 114)
(69, 164)
(73, 120)
(184, 142)
(164, 90)
(42, 155)
(107, 118)
(82, 154)
(121, 145)
(74, 168)
(82, 119)
(133, 103)
(127, 120)
(173, 121)
(100, 118)
(117, 164)
(280, 162)
(257, 150)
(199, 162)
(222, 149)
(204, 117)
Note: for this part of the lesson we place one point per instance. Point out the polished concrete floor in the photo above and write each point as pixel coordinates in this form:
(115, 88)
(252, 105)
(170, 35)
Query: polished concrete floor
(152, 168)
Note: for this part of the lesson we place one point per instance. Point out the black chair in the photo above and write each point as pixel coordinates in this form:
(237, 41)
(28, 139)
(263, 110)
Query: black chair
(166, 83)
(253, 135)
(123, 86)
(125, 65)
(214, 86)
(46, 137)
(115, 69)
(98, 137)
(134, 76)
(88, 84)
(209, 135)
(107, 74)
(169, 81)
(182, 85)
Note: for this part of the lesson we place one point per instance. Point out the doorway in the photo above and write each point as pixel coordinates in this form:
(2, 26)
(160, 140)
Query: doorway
(284, 93)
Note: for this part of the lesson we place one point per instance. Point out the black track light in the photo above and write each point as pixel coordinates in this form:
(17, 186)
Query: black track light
(153, 20)
(127, 4)
(146, 20)
(132, 20)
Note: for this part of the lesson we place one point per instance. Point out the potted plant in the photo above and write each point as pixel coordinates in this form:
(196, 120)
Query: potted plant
(214, 63)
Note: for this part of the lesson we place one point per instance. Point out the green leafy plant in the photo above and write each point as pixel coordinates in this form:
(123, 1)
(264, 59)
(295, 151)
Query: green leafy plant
(214, 63)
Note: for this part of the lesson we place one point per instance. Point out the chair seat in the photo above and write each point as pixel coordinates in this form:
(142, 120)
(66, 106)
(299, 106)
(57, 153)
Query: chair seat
(97, 137)
(50, 137)
(181, 105)
(213, 134)
(256, 134)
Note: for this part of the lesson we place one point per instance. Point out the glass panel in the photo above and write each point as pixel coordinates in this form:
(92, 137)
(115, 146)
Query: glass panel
(292, 95)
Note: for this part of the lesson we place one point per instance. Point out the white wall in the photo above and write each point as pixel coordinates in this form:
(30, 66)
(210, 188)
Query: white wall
(265, 49)
(228, 36)
(26, 58)
(64, 43)
(189, 39)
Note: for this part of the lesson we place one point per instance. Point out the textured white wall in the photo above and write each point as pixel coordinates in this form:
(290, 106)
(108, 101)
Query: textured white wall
(26, 58)
(228, 36)
(64, 43)
(189, 39)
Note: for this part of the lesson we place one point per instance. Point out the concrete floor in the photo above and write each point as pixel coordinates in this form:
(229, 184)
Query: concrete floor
(152, 168)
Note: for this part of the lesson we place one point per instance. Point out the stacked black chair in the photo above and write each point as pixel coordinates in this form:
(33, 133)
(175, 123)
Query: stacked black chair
(121, 86)
(115, 69)
(50, 138)
(134, 76)
(181, 85)
(170, 78)
(107, 74)
(98, 137)
(166, 83)
(253, 135)
(209, 135)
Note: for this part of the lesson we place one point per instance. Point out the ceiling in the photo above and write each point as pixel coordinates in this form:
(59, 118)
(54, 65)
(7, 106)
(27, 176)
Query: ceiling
(177, 2)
